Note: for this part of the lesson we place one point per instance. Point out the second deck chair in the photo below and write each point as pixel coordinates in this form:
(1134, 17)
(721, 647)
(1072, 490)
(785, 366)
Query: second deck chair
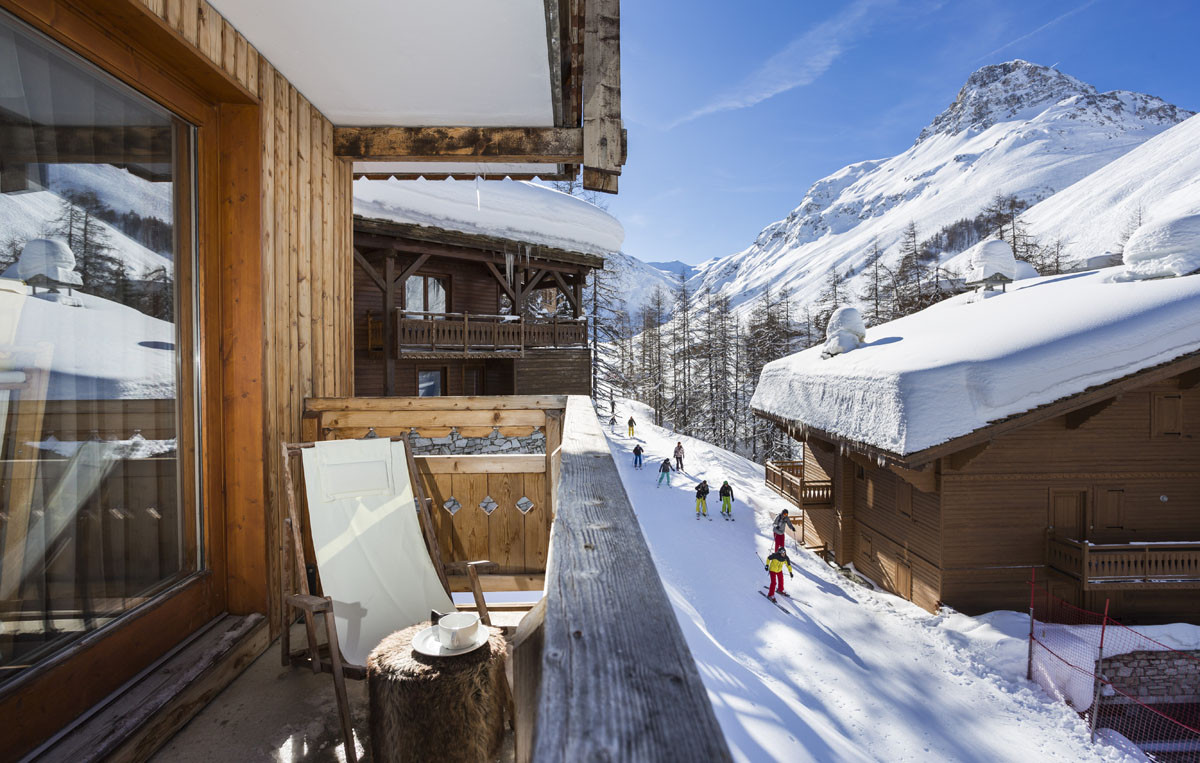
(376, 555)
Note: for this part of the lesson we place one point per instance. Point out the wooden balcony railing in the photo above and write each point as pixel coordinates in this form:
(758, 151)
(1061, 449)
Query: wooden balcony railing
(601, 669)
(787, 478)
(472, 334)
(1116, 566)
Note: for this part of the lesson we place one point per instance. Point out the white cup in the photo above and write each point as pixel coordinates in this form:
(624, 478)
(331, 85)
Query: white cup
(457, 629)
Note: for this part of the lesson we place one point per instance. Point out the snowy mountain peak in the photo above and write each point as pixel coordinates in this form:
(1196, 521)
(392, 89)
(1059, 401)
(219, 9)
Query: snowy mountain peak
(1006, 91)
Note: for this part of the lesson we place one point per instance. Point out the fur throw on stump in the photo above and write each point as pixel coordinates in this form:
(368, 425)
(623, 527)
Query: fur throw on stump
(435, 708)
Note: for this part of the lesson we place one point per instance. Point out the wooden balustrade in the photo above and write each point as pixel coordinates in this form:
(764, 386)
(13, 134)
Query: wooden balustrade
(471, 334)
(787, 478)
(1126, 565)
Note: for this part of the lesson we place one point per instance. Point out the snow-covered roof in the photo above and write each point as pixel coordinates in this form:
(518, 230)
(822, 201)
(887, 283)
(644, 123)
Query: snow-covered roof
(47, 257)
(992, 258)
(961, 364)
(517, 211)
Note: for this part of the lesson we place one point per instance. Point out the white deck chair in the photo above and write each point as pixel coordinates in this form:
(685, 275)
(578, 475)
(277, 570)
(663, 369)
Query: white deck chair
(376, 556)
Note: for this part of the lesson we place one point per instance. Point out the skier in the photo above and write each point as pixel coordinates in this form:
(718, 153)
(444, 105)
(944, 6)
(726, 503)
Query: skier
(679, 457)
(774, 566)
(637, 456)
(726, 493)
(781, 521)
(612, 424)
(702, 498)
(664, 473)
(631, 426)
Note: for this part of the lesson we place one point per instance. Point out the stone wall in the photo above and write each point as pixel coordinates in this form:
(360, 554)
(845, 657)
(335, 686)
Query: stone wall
(455, 444)
(1155, 677)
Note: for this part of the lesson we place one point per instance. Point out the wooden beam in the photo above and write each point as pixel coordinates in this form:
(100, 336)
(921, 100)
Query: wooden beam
(1077, 418)
(531, 582)
(568, 292)
(69, 144)
(504, 284)
(448, 403)
(357, 419)
(371, 272)
(532, 283)
(549, 176)
(488, 463)
(522, 145)
(958, 461)
(924, 479)
(412, 269)
(1189, 379)
(389, 323)
(603, 141)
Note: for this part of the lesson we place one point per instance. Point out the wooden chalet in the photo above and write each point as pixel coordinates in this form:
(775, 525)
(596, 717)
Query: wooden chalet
(141, 531)
(443, 312)
(1094, 492)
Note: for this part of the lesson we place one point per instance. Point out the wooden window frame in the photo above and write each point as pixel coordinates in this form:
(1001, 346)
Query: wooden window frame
(448, 282)
(443, 370)
(129, 43)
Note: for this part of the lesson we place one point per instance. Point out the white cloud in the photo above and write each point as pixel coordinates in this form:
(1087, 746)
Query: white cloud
(800, 63)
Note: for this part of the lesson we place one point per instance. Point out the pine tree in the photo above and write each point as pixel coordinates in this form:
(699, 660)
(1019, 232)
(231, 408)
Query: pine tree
(80, 226)
(606, 330)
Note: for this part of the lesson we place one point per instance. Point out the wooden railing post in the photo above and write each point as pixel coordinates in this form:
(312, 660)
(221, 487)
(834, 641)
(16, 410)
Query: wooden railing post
(466, 333)
(1087, 564)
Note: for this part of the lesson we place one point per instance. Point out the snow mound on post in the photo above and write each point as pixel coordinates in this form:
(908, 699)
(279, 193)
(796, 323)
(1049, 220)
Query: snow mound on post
(962, 364)
(518, 211)
(844, 332)
(1169, 248)
(47, 257)
(992, 258)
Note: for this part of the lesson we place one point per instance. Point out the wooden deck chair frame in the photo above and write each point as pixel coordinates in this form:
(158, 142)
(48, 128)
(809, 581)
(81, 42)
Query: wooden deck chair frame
(293, 560)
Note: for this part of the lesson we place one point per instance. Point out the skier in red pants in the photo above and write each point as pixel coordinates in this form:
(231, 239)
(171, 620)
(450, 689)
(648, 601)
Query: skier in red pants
(775, 564)
(781, 521)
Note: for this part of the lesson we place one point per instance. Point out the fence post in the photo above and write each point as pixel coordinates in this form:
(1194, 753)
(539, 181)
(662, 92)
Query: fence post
(1099, 668)
(1029, 659)
(466, 333)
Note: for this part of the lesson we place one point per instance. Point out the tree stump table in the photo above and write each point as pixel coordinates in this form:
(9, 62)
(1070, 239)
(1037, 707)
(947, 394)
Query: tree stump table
(426, 708)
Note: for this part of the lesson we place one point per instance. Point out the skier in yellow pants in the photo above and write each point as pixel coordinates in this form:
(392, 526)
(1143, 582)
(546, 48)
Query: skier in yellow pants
(702, 498)
(631, 426)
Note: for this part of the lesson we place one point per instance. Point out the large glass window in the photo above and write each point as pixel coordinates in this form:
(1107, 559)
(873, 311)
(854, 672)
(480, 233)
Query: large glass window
(99, 507)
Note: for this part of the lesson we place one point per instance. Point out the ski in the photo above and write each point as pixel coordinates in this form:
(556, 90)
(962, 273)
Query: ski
(782, 608)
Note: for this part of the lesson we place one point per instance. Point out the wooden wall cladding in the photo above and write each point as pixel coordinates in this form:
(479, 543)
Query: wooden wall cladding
(305, 251)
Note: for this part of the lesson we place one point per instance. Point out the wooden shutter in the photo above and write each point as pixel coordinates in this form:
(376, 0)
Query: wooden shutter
(1110, 510)
(904, 499)
(1167, 414)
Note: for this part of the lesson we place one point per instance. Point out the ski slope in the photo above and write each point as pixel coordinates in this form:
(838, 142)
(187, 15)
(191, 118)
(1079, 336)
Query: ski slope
(847, 673)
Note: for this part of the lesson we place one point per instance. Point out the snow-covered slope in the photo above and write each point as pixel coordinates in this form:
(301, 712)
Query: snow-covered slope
(634, 282)
(954, 367)
(31, 215)
(1015, 128)
(840, 672)
(1158, 179)
(518, 211)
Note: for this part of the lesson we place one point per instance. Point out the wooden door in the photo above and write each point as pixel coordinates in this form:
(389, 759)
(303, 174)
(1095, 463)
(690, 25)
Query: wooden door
(904, 579)
(473, 380)
(1110, 509)
(1067, 513)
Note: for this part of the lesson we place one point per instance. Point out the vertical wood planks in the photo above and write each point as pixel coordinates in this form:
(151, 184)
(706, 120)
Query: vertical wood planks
(471, 523)
(506, 536)
(537, 523)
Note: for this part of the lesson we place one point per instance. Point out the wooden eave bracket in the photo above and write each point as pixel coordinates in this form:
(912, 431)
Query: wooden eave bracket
(1077, 418)
(927, 479)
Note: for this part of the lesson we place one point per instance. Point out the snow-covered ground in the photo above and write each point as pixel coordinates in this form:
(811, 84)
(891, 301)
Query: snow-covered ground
(846, 673)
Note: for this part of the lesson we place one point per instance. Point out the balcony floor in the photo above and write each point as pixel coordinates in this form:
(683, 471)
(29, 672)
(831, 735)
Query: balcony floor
(273, 713)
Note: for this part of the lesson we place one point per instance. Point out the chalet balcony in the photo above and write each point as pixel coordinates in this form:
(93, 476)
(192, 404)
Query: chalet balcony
(1122, 566)
(789, 480)
(472, 335)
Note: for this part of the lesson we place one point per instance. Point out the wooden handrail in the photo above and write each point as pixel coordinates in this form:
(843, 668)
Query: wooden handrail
(616, 678)
(1123, 563)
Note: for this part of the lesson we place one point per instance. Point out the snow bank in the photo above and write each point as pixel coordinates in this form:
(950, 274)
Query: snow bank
(101, 350)
(1163, 249)
(518, 211)
(844, 332)
(954, 367)
(992, 258)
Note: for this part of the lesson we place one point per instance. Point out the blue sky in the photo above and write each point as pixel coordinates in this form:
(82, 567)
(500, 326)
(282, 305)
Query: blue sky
(734, 109)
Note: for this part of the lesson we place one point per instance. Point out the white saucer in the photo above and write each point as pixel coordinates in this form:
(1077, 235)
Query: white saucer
(426, 642)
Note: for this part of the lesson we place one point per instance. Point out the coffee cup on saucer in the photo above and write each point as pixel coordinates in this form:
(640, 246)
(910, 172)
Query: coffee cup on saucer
(457, 629)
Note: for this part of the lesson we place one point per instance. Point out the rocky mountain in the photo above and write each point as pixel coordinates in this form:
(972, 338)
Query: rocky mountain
(1014, 129)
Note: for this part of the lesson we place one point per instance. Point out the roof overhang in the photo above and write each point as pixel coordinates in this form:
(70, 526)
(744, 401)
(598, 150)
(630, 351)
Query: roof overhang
(520, 88)
(1185, 366)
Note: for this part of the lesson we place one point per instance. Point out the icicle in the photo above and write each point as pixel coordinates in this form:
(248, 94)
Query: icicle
(510, 262)
(478, 200)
